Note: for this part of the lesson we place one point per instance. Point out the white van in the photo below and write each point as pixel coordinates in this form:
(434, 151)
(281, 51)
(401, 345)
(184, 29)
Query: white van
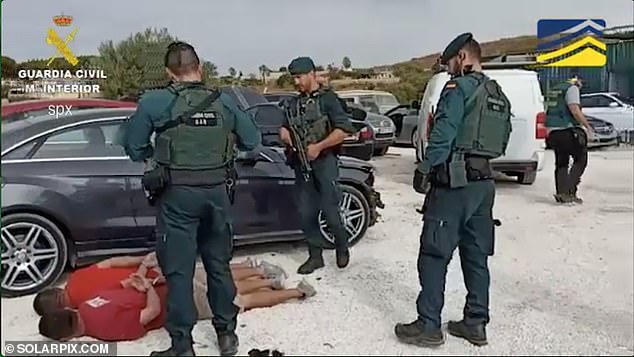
(525, 152)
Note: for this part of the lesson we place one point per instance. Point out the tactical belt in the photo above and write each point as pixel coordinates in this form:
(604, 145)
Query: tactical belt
(478, 169)
(210, 177)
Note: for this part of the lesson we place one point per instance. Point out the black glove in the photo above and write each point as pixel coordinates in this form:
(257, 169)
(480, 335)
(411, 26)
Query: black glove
(420, 181)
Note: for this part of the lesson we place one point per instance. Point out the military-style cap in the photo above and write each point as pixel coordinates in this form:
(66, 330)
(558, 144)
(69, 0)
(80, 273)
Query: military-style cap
(301, 65)
(454, 46)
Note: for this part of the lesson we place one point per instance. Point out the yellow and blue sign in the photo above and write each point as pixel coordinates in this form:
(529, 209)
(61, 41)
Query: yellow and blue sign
(571, 43)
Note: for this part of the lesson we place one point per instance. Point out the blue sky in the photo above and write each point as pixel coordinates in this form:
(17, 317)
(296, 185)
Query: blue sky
(247, 33)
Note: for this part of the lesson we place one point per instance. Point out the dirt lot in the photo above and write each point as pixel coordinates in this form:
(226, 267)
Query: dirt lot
(562, 277)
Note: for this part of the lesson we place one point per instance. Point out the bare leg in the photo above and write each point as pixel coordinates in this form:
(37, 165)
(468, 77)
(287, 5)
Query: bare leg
(240, 274)
(269, 298)
(250, 286)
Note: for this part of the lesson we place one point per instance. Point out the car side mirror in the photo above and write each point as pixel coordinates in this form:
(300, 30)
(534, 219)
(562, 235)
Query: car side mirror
(614, 105)
(415, 105)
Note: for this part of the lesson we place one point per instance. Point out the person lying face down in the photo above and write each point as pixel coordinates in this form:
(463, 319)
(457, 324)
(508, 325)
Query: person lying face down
(85, 282)
(114, 273)
(128, 312)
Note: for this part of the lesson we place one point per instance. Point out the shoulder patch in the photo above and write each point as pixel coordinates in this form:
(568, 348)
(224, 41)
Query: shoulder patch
(451, 85)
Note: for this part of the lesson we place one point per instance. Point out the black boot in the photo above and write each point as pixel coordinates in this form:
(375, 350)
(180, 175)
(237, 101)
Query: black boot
(476, 334)
(314, 262)
(343, 257)
(574, 197)
(416, 333)
(228, 343)
(172, 352)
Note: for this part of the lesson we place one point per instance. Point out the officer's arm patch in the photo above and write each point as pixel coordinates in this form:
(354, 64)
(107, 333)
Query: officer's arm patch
(451, 85)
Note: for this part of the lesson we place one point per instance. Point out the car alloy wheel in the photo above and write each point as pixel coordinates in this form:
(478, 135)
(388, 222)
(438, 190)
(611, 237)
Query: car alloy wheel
(32, 256)
(355, 213)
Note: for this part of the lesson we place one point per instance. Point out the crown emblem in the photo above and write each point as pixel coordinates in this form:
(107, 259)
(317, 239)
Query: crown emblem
(63, 20)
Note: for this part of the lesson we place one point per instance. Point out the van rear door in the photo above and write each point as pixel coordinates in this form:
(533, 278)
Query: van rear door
(522, 89)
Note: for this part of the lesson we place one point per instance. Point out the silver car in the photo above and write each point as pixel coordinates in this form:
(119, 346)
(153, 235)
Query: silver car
(405, 118)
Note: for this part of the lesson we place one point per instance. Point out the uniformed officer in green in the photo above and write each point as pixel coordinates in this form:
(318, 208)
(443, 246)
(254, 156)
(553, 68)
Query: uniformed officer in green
(324, 126)
(195, 129)
(565, 123)
(458, 207)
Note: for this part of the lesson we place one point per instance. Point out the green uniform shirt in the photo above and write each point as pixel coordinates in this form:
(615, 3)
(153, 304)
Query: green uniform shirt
(151, 115)
(329, 105)
(449, 116)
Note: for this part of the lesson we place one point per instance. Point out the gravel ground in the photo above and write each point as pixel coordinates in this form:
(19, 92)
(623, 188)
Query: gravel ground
(562, 277)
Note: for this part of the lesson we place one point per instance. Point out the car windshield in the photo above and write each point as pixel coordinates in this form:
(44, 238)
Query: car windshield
(24, 115)
(252, 97)
(9, 125)
(629, 101)
(387, 100)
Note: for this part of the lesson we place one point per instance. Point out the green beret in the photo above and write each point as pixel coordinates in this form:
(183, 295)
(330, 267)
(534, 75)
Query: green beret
(454, 46)
(301, 65)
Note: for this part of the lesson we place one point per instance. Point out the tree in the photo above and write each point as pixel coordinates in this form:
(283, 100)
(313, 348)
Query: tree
(346, 62)
(319, 68)
(210, 71)
(284, 80)
(136, 63)
(282, 69)
(232, 72)
(9, 67)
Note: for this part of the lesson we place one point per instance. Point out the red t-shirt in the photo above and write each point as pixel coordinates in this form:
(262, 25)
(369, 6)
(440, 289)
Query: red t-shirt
(114, 315)
(84, 283)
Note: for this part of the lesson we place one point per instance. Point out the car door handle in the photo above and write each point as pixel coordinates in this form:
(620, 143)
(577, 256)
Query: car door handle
(242, 182)
(285, 182)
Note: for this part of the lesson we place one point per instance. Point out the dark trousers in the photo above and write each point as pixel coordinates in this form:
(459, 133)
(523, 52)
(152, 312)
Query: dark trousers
(321, 192)
(569, 143)
(456, 218)
(195, 220)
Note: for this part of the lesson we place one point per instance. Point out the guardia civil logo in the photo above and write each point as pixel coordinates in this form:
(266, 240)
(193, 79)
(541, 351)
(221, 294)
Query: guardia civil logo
(571, 43)
(60, 45)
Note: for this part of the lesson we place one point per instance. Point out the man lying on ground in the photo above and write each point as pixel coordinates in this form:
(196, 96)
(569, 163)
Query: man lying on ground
(124, 314)
(112, 273)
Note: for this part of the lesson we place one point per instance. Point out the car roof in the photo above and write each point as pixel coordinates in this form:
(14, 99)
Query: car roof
(15, 132)
(29, 105)
(598, 93)
(501, 72)
(280, 93)
(362, 92)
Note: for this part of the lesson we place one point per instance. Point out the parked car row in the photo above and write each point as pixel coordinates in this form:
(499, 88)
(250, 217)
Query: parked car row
(613, 109)
(610, 115)
(374, 139)
(70, 195)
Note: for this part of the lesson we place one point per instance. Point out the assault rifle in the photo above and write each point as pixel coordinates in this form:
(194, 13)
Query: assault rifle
(296, 139)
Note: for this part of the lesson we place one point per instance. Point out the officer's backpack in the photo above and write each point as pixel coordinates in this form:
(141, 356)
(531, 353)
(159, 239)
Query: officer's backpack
(487, 126)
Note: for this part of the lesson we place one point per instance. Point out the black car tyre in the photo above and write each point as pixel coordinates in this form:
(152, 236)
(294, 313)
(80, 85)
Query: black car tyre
(356, 211)
(527, 178)
(414, 138)
(34, 254)
(382, 151)
(366, 155)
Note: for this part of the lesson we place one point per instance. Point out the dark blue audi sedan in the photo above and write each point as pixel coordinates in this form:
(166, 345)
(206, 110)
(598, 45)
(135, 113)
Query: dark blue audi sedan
(70, 196)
